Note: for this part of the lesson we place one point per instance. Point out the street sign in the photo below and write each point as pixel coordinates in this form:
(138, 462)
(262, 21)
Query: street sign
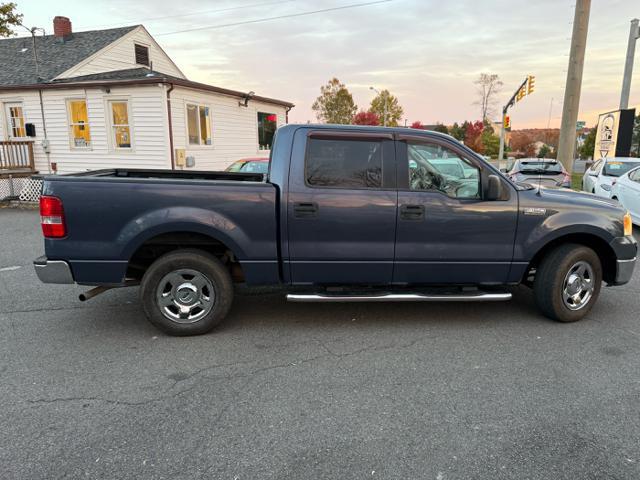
(580, 125)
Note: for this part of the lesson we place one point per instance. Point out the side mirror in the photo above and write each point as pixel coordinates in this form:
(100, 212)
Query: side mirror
(494, 188)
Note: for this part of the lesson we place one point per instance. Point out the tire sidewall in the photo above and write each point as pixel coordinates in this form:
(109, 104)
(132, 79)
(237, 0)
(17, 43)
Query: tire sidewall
(559, 270)
(197, 260)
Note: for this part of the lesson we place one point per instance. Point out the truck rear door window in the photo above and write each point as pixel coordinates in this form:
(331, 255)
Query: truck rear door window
(334, 163)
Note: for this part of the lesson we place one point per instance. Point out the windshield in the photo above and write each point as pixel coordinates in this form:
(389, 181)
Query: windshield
(615, 169)
(552, 168)
(255, 167)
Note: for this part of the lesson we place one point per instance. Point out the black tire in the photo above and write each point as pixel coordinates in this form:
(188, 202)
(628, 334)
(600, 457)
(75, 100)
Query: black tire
(216, 293)
(548, 286)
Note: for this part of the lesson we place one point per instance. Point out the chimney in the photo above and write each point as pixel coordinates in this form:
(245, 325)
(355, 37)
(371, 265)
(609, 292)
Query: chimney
(62, 27)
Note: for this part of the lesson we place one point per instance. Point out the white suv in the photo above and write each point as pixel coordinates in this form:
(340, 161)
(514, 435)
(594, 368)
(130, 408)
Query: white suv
(603, 172)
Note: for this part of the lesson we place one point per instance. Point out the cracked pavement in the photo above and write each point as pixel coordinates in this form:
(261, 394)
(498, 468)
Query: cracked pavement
(302, 391)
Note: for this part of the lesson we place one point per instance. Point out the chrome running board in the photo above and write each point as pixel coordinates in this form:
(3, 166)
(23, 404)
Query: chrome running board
(400, 297)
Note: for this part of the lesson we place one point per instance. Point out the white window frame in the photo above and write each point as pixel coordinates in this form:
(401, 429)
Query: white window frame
(70, 124)
(187, 104)
(8, 126)
(258, 150)
(112, 136)
(148, 47)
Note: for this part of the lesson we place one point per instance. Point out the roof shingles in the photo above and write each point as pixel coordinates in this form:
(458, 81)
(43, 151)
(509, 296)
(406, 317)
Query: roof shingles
(54, 55)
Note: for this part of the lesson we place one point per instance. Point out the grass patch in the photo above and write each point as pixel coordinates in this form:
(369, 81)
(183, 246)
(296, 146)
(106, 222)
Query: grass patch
(576, 181)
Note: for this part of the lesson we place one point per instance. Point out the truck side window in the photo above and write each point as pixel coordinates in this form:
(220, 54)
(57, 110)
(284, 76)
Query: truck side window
(343, 163)
(434, 167)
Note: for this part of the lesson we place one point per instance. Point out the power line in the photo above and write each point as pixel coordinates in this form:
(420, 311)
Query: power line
(260, 20)
(202, 12)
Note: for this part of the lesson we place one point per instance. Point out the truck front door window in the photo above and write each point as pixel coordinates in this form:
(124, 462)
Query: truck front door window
(353, 164)
(434, 167)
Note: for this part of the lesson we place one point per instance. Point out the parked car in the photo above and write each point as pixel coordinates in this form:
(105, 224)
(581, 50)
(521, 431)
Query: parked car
(599, 177)
(626, 189)
(345, 214)
(250, 165)
(539, 171)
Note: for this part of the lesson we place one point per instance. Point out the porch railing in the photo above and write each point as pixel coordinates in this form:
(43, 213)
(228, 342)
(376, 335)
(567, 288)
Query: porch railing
(16, 155)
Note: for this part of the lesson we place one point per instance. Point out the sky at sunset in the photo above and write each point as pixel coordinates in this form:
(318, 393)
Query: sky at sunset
(425, 52)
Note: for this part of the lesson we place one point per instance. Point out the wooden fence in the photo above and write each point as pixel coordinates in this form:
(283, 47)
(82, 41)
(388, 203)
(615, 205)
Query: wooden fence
(16, 155)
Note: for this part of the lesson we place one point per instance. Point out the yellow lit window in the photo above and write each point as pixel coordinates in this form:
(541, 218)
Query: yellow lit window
(120, 124)
(79, 123)
(199, 124)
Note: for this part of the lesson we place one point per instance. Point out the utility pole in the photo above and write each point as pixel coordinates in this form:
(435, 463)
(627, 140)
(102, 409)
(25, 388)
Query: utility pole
(571, 104)
(634, 34)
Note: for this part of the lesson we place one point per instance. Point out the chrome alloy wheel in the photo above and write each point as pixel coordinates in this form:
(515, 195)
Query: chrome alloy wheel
(578, 286)
(185, 296)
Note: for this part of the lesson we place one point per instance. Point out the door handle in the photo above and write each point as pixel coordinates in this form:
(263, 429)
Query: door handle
(412, 212)
(305, 210)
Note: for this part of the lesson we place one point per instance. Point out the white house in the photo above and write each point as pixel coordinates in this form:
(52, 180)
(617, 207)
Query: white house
(113, 98)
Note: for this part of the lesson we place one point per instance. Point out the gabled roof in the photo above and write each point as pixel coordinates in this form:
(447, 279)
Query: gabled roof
(17, 66)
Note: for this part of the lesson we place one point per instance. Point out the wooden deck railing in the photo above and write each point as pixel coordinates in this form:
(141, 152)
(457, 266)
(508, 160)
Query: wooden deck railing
(16, 155)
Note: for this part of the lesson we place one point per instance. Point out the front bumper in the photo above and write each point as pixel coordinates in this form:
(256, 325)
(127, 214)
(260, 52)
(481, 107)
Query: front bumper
(53, 271)
(626, 249)
(624, 271)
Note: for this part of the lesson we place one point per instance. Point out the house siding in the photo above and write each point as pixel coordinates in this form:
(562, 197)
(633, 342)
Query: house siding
(148, 121)
(120, 55)
(235, 128)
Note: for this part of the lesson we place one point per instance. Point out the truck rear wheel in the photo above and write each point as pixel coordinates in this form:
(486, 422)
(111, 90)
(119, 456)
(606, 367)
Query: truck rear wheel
(567, 282)
(186, 292)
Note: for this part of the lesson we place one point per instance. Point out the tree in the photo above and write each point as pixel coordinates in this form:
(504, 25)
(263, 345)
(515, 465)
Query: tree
(489, 85)
(472, 136)
(523, 144)
(544, 151)
(8, 18)
(635, 142)
(457, 131)
(441, 128)
(335, 103)
(490, 142)
(589, 145)
(365, 118)
(417, 124)
(386, 106)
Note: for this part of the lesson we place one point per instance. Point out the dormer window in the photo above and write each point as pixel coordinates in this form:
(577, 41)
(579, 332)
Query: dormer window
(142, 55)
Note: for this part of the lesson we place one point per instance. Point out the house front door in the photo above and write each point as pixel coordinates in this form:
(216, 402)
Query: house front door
(14, 114)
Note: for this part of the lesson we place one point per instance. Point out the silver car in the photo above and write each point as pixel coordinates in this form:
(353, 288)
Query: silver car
(543, 171)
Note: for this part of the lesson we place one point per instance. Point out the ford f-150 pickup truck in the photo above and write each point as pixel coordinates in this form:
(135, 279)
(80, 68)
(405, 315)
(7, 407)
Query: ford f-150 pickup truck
(344, 214)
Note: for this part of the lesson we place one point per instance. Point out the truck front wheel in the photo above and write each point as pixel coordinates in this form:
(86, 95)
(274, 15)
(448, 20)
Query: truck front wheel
(186, 292)
(567, 282)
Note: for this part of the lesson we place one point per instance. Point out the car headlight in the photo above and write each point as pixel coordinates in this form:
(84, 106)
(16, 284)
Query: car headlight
(628, 224)
(605, 187)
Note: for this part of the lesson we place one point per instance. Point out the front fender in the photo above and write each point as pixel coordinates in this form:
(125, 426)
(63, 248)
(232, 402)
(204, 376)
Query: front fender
(533, 236)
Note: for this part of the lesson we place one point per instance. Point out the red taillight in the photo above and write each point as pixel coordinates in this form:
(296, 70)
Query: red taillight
(52, 217)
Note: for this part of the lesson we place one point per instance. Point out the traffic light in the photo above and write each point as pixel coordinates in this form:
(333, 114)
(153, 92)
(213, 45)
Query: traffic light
(521, 93)
(531, 84)
(507, 122)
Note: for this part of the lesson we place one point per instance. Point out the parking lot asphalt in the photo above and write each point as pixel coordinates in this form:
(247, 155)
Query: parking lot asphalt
(306, 391)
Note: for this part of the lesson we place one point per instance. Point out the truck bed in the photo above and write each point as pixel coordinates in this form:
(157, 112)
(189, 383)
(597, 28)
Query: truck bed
(110, 214)
(139, 173)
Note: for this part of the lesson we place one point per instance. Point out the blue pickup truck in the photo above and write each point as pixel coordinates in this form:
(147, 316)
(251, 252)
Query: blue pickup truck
(344, 214)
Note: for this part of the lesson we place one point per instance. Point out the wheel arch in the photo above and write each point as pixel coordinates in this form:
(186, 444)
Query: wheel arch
(599, 245)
